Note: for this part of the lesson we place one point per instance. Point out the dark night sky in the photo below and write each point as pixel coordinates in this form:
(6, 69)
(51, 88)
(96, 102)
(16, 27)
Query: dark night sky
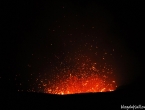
(38, 36)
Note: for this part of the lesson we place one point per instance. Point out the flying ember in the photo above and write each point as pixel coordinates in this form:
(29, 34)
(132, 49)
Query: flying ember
(84, 79)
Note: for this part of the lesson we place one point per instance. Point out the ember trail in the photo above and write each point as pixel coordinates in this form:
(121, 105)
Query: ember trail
(84, 79)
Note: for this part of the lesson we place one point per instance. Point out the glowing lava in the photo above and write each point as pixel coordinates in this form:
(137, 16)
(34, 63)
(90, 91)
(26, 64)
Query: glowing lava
(81, 80)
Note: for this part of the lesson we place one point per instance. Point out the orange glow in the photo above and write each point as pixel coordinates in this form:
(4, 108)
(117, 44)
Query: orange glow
(81, 80)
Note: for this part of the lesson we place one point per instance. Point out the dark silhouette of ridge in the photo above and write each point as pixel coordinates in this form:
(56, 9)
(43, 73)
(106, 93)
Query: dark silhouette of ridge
(122, 95)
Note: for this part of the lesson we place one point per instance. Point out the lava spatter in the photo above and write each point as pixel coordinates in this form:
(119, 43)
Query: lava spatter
(83, 79)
